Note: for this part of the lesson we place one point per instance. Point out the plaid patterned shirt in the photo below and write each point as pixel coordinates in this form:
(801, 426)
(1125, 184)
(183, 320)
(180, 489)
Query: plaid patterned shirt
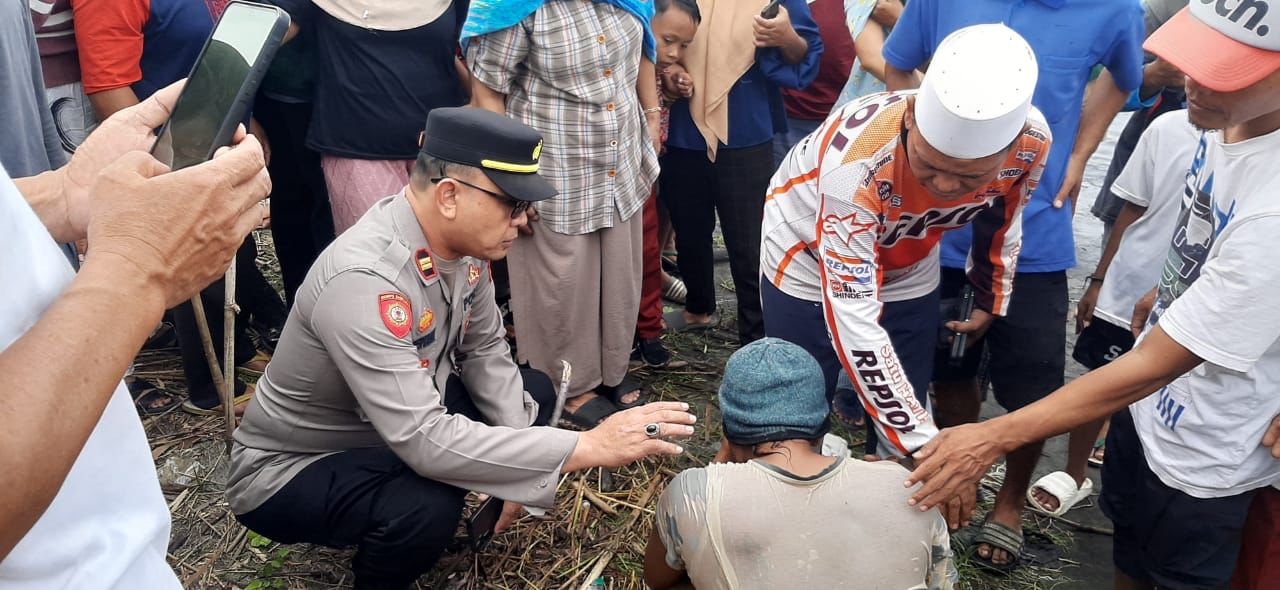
(569, 70)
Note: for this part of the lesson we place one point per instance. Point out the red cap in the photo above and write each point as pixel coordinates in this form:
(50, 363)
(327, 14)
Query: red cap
(1223, 48)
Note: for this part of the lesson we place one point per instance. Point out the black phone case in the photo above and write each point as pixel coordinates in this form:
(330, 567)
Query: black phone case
(771, 10)
(249, 88)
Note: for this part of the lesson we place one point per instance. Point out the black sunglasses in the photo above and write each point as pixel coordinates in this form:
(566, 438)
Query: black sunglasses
(517, 206)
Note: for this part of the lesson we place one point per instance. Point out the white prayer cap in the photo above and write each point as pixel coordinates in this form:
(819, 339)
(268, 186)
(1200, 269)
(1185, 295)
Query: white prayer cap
(976, 95)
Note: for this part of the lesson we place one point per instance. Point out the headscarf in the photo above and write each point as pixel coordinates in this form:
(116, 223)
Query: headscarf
(488, 16)
(723, 50)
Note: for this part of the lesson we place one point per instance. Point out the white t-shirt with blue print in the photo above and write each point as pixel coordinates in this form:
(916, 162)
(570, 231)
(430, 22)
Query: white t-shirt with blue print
(1219, 296)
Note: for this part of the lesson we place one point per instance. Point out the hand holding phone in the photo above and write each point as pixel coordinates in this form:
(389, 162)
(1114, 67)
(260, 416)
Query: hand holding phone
(960, 341)
(772, 28)
(483, 522)
(221, 86)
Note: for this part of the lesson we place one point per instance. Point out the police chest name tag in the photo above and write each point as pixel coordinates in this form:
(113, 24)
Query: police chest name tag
(394, 309)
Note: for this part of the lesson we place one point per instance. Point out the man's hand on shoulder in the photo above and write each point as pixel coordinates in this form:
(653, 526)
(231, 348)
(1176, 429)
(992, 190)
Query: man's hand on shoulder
(949, 467)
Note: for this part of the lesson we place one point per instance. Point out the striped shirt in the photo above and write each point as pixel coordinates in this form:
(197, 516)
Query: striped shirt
(569, 70)
(846, 223)
(56, 38)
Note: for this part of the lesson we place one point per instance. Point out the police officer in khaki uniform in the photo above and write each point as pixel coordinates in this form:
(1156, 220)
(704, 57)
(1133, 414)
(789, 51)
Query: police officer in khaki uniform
(393, 392)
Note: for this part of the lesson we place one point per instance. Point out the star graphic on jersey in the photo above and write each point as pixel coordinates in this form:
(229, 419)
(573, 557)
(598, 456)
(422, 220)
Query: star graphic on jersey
(845, 228)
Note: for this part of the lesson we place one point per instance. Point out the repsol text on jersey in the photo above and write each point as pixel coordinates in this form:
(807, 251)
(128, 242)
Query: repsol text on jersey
(879, 381)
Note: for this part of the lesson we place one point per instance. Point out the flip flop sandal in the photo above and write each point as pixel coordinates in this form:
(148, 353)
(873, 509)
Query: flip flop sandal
(615, 393)
(674, 290)
(1061, 486)
(146, 395)
(669, 263)
(260, 357)
(998, 536)
(1099, 445)
(590, 414)
(190, 407)
(676, 322)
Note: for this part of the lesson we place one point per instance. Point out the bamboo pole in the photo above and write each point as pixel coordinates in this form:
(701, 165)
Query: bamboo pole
(229, 352)
(224, 383)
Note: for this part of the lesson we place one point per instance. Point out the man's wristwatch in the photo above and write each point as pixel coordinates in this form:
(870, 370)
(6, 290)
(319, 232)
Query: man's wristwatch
(1091, 279)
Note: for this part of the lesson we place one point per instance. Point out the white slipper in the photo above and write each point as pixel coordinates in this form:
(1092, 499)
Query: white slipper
(1061, 486)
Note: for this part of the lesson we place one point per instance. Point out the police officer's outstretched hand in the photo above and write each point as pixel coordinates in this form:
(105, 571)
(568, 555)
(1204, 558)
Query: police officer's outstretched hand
(626, 436)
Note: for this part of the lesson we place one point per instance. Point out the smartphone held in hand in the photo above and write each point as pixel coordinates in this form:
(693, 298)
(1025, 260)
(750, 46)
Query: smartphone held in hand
(771, 9)
(222, 84)
(483, 522)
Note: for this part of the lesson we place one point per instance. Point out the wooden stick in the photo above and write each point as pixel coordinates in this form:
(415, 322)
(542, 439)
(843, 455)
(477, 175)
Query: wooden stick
(202, 325)
(229, 352)
(597, 570)
(594, 499)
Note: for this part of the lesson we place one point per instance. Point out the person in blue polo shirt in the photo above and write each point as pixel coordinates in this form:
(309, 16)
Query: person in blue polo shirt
(1028, 346)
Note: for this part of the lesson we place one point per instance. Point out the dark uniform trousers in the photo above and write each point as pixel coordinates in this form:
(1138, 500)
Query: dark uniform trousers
(399, 521)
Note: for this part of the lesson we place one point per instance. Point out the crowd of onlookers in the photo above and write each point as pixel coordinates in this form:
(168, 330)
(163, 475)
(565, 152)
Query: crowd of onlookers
(657, 124)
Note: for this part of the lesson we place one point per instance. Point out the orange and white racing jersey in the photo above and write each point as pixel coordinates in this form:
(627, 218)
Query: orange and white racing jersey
(846, 223)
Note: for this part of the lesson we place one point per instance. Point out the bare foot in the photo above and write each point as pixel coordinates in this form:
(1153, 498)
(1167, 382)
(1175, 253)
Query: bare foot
(996, 555)
(630, 397)
(257, 364)
(572, 404)
(696, 319)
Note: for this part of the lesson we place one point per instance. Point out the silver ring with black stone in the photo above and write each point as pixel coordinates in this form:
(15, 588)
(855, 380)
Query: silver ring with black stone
(652, 430)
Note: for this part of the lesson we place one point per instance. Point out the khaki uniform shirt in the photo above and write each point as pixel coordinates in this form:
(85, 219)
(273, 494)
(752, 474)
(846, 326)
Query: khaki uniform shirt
(377, 328)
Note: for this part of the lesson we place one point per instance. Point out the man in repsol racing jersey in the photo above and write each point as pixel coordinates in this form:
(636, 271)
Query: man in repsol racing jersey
(849, 255)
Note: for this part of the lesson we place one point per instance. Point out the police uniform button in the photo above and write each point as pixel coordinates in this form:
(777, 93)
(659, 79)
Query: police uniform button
(542, 483)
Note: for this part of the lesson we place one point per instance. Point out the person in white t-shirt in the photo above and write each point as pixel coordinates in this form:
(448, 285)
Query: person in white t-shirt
(1151, 186)
(80, 505)
(1186, 458)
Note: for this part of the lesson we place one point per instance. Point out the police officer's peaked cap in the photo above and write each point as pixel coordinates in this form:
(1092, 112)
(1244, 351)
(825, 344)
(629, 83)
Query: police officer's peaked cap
(506, 150)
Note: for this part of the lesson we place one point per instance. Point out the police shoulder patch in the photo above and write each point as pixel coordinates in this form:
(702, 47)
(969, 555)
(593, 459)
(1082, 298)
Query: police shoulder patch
(394, 309)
